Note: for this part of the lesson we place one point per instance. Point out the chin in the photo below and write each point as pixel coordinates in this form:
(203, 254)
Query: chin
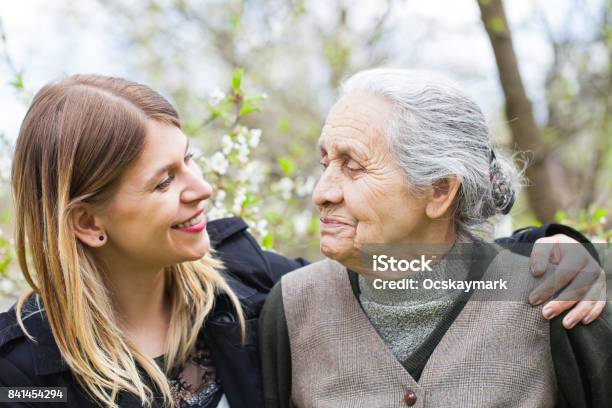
(335, 250)
(197, 251)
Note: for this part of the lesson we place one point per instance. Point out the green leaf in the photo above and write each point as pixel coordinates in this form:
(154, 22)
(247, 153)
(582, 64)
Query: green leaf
(598, 214)
(237, 79)
(247, 108)
(235, 19)
(267, 242)
(497, 25)
(283, 126)
(4, 264)
(287, 165)
(17, 83)
(560, 216)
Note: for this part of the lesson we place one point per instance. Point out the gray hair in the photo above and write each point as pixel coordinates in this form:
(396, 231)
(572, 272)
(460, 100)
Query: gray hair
(436, 132)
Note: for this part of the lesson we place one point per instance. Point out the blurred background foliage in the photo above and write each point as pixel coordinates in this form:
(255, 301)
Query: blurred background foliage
(253, 80)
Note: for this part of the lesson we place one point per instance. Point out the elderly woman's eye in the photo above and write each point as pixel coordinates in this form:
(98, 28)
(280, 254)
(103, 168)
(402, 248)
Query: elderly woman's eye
(324, 163)
(352, 166)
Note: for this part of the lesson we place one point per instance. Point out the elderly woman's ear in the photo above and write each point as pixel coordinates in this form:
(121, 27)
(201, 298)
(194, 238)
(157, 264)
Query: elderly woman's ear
(441, 197)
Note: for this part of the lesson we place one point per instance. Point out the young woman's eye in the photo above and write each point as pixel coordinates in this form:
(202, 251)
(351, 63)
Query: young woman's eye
(189, 156)
(166, 183)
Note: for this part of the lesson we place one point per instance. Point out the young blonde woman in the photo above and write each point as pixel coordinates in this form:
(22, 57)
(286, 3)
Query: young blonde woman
(127, 307)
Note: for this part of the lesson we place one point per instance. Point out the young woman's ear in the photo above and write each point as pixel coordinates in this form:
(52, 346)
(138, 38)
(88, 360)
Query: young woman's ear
(87, 227)
(442, 196)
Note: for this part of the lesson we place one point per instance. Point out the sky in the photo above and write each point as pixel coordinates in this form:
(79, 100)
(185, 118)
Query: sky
(50, 43)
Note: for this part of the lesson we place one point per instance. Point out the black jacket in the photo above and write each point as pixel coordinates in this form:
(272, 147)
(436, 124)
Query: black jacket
(250, 272)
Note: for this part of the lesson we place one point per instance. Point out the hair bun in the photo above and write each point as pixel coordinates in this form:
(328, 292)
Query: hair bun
(503, 194)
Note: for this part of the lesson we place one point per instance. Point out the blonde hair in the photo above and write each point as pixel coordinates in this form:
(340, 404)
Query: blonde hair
(78, 137)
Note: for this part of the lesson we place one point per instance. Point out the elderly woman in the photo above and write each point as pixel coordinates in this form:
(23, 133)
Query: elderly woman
(407, 160)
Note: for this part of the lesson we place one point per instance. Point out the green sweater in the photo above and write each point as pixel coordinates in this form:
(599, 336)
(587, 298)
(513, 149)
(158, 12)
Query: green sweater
(405, 318)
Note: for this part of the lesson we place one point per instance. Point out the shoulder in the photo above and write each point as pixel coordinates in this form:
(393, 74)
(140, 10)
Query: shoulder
(501, 259)
(507, 259)
(297, 285)
(247, 265)
(17, 365)
(315, 272)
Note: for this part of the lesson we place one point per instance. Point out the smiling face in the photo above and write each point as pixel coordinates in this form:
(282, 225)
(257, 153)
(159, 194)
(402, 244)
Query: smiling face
(145, 220)
(362, 194)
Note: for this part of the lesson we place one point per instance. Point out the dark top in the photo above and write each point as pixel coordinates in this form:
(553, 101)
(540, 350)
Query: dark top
(249, 271)
(582, 357)
(195, 384)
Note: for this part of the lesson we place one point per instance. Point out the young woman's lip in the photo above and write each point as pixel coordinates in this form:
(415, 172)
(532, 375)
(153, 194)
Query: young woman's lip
(199, 227)
(190, 218)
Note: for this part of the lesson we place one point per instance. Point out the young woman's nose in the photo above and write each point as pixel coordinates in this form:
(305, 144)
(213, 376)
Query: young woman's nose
(197, 189)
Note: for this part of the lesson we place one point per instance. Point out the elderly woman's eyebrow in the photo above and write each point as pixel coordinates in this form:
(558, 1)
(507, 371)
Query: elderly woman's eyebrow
(345, 148)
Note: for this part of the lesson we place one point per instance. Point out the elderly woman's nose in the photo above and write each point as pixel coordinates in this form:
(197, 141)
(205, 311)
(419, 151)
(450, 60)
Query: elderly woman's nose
(327, 191)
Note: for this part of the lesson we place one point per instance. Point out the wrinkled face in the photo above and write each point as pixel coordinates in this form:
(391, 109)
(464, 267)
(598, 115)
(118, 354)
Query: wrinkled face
(362, 193)
(163, 188)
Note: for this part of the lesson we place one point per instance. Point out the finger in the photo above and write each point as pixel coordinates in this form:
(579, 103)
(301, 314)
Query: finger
(540, 255)
(555, 307)
(588, 289)
(555, 253)
(587, 285)
(552, 283)
(598, 296)
(575, 261)
(578, 313)
(595, 312)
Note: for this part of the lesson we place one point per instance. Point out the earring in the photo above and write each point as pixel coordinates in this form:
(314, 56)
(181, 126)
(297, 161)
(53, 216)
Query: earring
(101, 237)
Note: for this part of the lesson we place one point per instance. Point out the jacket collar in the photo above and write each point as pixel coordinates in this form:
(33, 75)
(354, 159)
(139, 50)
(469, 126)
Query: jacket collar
(220, 229)
(47, 357)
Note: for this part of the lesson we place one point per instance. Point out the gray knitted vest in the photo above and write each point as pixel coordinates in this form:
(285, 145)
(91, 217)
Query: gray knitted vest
(495, 354)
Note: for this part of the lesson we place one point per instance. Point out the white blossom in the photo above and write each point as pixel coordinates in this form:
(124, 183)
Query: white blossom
(253, 174)
(242, 130)
(216, 96)
(239, 200)
(305, 188)
(220, 197)
(6, 285)
(243, 153)
(5, 168)
(301, 223)
(218, 163)
(285, 185)
(215, 213)
(255, 137)
(262, 227)
(241, 139)
(227, 144)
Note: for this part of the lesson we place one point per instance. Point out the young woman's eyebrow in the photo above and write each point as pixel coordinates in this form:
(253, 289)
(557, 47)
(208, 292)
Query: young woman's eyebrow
(166, 168)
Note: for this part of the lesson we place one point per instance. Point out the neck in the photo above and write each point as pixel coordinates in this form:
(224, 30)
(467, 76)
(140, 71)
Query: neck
(143, 308)
(434, 242)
